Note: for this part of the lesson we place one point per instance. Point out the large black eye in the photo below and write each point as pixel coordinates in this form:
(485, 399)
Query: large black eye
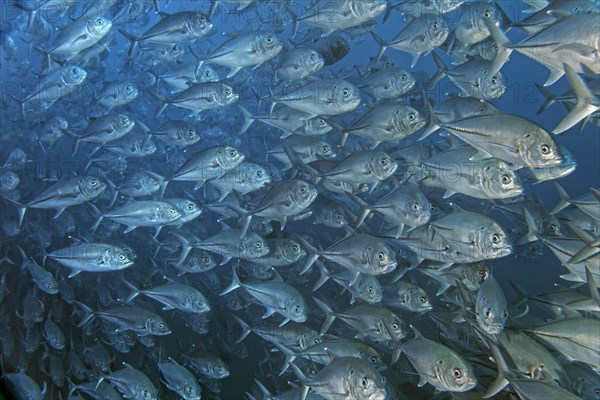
(346, 92)
(373, 360)
(233, 153)
(457, 373)
(403, 77)
(365, 383)
(545, 149)
(383, 161)
(370, 289)
(381, 256)
(494, 81)
(487, 14)
(412, 116)
(303, 189)
(422, 300)
(395, 326)
(269, 39)
(506, 179)
(488, 312)
(483, 275)
(436, 25)
(495, 238)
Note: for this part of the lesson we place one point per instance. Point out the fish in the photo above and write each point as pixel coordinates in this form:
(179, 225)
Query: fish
(346, 14)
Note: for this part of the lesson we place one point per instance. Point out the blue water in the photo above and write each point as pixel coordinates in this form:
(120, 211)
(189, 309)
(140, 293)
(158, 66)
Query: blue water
(19, 73)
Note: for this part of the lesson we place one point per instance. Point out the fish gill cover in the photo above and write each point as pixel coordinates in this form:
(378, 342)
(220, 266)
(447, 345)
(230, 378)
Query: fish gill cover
(276, 199)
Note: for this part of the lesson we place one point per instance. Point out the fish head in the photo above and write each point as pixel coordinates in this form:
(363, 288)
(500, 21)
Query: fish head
(323, 150)
(118, 259)
(456, 375)
(157, 327)
(364, 382)
(417, 209)
(296, 309)
(380, 258)
(10, 180)
(198, 304)
(199, 24)
(369, 289)
(436, 29)
(369, 9)
(538, 150)
(493, 242)
(229, 157)
(381, 165)
(261, 226)
(256, 174)
(254, 246)
(74, 75)
(403, 81)
(551, 226)
(128, 91)
(268, 44)
(188, 134)
(302, 193)
(122, 123)
(335, 217)
(316, 126)
(491, 319)
(293, 251)
(206, 73)
(311, 60)
(418, 300)
(499, 181)
(99, 26)
(346, 96)
(91, 186)
(475, 274)
(493, 87)
(407, 119)
(226, 95)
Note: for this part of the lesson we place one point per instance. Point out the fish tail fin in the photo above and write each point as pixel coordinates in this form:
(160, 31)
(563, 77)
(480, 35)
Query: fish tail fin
(504, 47)
(135, 292)
(365, 210)
(433, 119)
(329, 315)
(550, 98)
(289, 358)
(340, 129)
(245, 328)
(312, 256)
(163, 102)
(521, 294)
(382, 46)
(21, 208)
(236, 283)
(564, 199)
(248, 120)
(586, 103)
(441, 70)
(323, 278)
(89, 314)
(132, 39)
(500, 382)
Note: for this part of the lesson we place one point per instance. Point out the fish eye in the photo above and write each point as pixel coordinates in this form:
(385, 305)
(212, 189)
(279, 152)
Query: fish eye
(487, 14)
(232, 153)
(545, 149)
(483, 275)
(325, 149)
(303, 189)
(99, 21)
(202, 20)
(495, 238)
(416, 206)
(506, 179)
(370, 289)
(422, 300)
(553, 227)
(457, 373)
(373, 360)
(227, 92)
(381, 256)
(74, 71)
(295, 248)
(488, 312)
(205, 260)
(597, 392)
(171, 211)
(403, 77)
(436, 25)
(190, 207)
(395, 326)
(316, 341)
(312, 57)
(191, 133)
(124, 120)
(128, 87)
(161, 325)
(269, 39)
(258, 245)
(412, 116)
(207, 73)
(365, 383)
(383, 161)
(122, 257)
(346, 92)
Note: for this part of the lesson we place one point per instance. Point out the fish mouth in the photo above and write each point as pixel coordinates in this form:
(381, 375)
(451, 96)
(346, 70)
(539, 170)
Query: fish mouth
(378, 395)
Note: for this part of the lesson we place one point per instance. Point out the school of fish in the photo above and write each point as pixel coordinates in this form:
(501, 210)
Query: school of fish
(299, 199)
